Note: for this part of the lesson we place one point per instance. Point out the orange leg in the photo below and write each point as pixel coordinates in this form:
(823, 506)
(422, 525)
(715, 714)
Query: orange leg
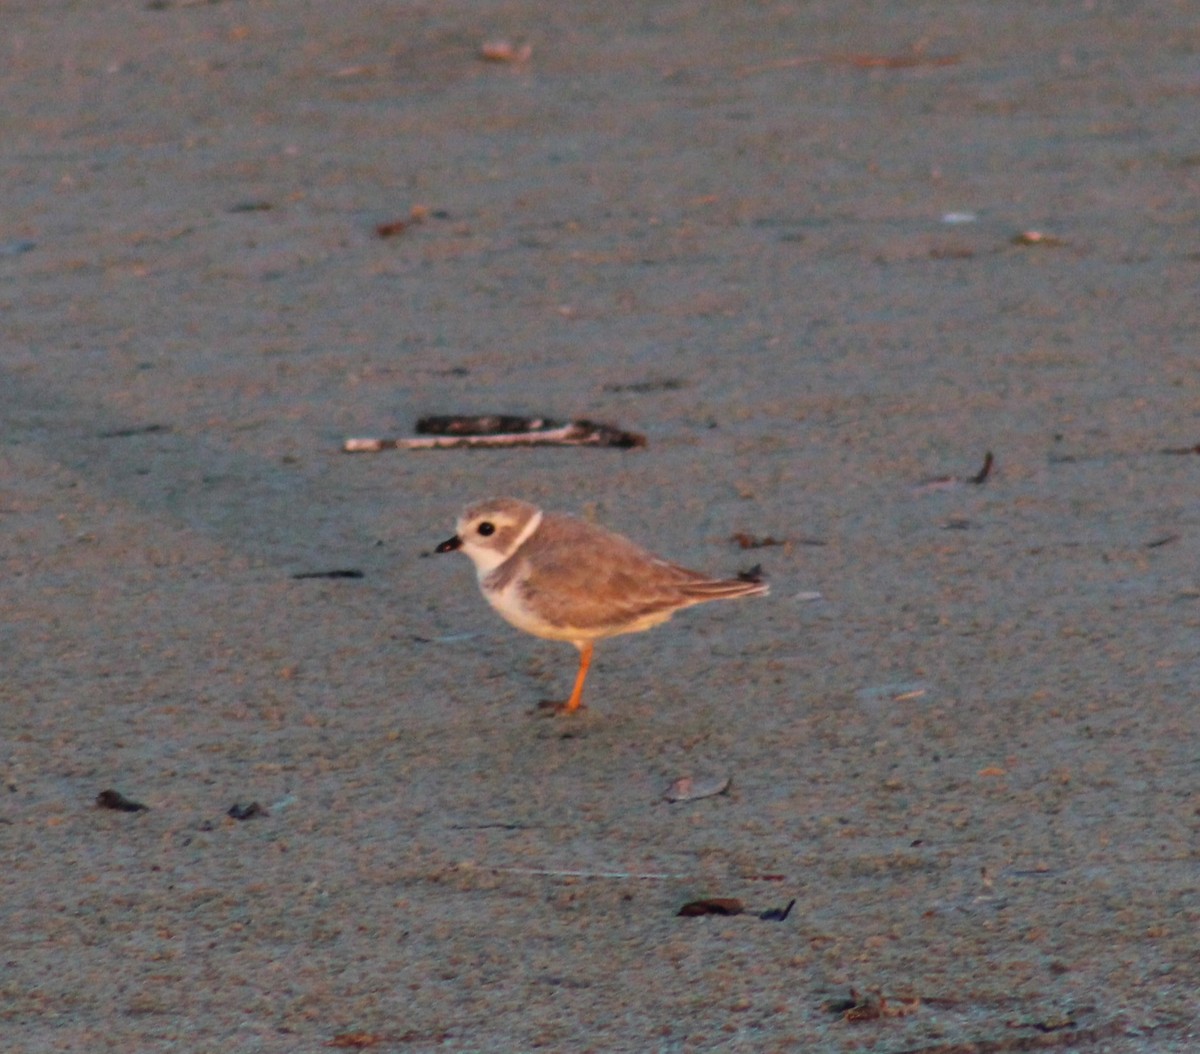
(585, 660)
(576, 700)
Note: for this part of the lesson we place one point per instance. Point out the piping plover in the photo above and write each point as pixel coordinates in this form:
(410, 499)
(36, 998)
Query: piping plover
(560, 578)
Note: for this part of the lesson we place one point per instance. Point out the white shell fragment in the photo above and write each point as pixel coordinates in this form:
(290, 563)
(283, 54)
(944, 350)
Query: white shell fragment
(688, 788)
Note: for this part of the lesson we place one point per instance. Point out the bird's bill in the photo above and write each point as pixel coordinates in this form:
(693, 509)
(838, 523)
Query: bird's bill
(449, 545)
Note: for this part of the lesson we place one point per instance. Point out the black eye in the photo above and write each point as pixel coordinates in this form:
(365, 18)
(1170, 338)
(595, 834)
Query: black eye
(486, 528)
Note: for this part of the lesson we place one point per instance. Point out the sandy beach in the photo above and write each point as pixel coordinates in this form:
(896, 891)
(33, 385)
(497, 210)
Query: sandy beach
(825, 257)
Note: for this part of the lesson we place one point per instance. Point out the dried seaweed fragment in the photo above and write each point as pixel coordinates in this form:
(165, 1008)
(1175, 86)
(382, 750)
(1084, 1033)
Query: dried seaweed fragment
(449, 432)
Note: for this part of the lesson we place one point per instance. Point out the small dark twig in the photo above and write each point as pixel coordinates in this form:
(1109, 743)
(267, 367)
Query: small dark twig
(667, 384)
(238, 811)
(751, 574)
(777, 914)
(112, 799)
(135, 430)
(981, 476)
(936, 483)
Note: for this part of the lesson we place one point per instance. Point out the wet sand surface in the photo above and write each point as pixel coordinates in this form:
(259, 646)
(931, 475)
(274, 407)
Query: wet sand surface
(784, 242)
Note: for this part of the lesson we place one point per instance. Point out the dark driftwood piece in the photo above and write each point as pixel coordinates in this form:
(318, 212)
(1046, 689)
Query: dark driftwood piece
(482, 425)
(498, 431)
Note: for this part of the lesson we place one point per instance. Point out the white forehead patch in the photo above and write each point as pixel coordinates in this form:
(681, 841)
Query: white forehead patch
(491, 551)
